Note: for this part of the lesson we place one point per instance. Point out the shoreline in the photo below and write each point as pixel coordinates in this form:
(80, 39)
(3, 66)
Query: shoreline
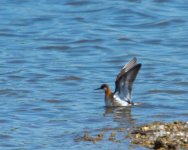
(154, 135)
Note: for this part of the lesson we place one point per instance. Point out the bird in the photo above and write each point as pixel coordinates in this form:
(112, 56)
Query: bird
(123, 86)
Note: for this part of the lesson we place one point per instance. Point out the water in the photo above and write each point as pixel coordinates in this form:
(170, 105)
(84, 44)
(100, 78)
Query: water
(53, 54)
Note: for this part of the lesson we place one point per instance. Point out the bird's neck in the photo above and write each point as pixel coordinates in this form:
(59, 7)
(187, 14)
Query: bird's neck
(108, 92)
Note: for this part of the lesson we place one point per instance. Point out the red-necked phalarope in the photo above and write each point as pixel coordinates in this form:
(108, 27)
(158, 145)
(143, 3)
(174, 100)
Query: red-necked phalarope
(123, 86)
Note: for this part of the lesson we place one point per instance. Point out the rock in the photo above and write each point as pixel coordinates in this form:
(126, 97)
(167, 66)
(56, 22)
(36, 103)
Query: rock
(145, 128)
(113, 134)
(160, 135)
(158, 144)
(156, 135)
(111, 138)
(121, 130)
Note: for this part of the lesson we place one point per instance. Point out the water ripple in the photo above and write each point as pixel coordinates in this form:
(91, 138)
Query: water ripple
(60, 48)
(175, 92)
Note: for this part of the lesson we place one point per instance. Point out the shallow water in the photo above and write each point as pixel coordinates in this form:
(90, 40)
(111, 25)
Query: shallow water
(53, 54)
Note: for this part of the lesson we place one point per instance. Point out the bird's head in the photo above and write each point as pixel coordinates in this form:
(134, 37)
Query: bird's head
(104, 87)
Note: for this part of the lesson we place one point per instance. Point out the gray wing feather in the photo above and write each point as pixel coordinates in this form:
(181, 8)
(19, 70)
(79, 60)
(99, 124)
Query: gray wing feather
(125, 79)
(130, 64)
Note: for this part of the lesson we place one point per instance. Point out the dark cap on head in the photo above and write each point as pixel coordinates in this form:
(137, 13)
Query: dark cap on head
(103, 86)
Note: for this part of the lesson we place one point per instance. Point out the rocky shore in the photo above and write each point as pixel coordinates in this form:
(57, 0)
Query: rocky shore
(156, 135)
(160, 135)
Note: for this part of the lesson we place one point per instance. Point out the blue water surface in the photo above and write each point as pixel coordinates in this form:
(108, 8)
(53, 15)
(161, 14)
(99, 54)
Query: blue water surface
(53, 54)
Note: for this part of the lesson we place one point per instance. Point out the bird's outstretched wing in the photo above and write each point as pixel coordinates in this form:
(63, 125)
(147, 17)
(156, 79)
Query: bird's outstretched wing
(125, 79)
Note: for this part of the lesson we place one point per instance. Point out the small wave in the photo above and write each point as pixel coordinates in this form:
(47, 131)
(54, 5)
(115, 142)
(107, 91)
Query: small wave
(53, 101)
(55, 47)
(175, 92)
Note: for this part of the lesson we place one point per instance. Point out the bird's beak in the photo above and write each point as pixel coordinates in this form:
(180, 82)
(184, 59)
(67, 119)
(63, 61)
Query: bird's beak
(98, 89)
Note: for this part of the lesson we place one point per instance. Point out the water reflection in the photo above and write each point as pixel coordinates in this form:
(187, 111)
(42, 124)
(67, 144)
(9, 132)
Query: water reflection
(121, 115)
